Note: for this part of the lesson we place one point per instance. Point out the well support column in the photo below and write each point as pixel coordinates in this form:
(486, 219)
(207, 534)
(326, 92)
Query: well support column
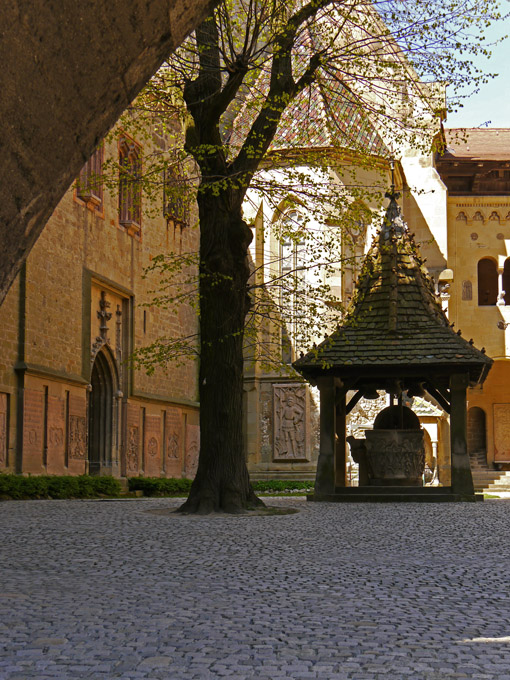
(325, 477)
(462, 480)
(340, 457)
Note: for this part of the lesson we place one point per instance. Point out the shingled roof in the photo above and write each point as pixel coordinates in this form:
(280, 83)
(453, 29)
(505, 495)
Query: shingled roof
(395, 325)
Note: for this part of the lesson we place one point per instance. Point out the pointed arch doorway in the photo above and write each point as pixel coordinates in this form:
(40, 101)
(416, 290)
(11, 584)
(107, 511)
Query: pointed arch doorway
(102, 416)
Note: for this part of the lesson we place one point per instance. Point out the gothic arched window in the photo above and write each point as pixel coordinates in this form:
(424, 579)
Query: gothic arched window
(130, 185)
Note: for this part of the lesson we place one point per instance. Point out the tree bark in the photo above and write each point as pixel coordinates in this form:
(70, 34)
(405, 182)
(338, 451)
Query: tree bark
(222, 481)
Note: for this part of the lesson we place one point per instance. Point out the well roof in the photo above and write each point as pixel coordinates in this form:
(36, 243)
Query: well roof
(395, 325)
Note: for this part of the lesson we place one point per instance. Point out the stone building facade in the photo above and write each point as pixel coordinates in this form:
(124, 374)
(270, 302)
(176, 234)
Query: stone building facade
(70, 403)
(475, 169)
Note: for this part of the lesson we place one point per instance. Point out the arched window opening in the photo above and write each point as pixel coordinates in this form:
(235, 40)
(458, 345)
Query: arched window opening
(476, 435)
(487, 282)
(292, 260)
(130, 185)
(354, 231)
(506, 281)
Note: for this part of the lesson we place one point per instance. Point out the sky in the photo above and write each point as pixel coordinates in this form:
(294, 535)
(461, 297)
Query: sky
(492, 103)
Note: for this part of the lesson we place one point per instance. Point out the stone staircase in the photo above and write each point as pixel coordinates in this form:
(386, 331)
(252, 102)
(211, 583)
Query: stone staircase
(485, 478)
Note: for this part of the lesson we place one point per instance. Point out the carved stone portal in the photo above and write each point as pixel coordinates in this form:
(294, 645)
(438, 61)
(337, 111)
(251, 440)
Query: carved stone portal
(290, 422)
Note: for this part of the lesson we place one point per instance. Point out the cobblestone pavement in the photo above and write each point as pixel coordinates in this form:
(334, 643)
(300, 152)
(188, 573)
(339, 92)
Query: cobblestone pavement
(100, 590)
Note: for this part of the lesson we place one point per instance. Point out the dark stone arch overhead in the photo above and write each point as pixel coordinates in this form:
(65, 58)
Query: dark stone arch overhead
(68, 71)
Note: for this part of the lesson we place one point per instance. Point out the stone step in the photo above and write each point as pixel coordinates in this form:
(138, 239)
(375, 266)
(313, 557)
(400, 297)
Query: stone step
(491, 480)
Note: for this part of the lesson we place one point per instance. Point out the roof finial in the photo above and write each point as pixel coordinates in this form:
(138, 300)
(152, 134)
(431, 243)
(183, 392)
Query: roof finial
(392, 166)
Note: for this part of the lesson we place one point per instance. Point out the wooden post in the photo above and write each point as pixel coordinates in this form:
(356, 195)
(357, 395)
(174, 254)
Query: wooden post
(462, 480)
(340, 453)
(325, 477)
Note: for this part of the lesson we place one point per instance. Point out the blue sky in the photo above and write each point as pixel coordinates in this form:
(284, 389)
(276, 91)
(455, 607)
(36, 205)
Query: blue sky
(492, 103)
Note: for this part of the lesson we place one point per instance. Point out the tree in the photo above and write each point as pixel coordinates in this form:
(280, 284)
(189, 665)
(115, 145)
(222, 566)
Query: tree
(250, 66)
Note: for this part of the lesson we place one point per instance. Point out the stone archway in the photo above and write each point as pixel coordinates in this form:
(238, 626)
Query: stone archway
(477, 434)
(102, 414)
(68, 71)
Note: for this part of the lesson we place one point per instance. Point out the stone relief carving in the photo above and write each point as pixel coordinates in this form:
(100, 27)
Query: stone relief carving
(394, 454)
(467, 290)
(3, 439)
(77, 437)
(3, 430)
(104, 316)
(478, 217)
(461, 217)
(174, 439)
(192, 449)
(289, 422)
(172, 445)
(132, 449)
(494, 216)
(152, 447)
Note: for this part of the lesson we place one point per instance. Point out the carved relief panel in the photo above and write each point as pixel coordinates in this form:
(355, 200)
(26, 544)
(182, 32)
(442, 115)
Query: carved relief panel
(173, 442)
(502, 432)
(3, 429)
(192, 450)
(56, 435)
(467, 290)
(77, 428)
(290, 423)
(33, 430)
(132, 447)
(152, 432)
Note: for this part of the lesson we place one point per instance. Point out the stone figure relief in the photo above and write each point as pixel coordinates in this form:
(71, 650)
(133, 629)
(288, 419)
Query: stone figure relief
(153, 447)
(174, 439)
(103, 316)
(132, 449)
(3, 439)
(3, 430)
(467, 290)
(172, 445)
(77, 437)
(192, 450)
(289, 422)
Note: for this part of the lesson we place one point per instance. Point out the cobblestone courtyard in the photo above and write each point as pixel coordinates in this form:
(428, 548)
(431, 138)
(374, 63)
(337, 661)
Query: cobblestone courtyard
(96, 589)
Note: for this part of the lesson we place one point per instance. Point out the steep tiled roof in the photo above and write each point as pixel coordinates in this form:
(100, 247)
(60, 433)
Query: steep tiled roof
(477, 144)
(395, 320)
(326, 114)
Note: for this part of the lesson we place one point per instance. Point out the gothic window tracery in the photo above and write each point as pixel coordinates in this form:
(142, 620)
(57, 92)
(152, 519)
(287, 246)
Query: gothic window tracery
(89, 186)
(291, 260)
(130, 185)
(176, 195)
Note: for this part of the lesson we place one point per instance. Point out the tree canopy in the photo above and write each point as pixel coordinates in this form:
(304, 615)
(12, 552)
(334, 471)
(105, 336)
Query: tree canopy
(265, 87)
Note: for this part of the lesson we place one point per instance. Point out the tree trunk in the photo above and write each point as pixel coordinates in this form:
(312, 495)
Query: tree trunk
(222, 481)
